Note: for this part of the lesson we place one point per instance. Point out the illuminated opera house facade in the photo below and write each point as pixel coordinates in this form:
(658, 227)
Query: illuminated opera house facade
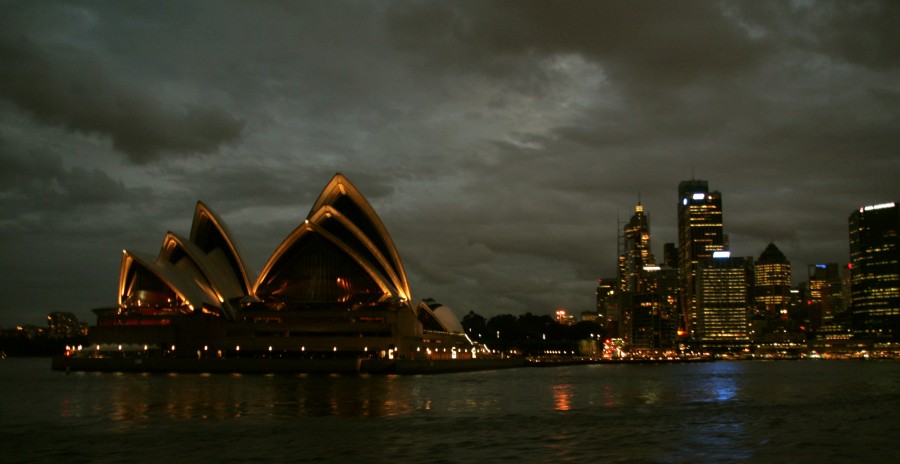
(334, 289)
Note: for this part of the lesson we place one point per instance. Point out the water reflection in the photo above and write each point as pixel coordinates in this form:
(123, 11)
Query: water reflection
(721, 384)
(135, 398)
(611, 396)
(650, 395)
(723, 388)
(722, 412)
(562, 397)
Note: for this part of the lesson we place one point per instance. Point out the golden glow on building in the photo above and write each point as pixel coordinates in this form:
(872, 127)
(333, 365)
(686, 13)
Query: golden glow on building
(772, 289)
(723, 295)
(335, 284)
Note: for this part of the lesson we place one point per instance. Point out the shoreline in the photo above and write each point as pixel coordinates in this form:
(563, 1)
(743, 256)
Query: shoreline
(373, 366)
(281, 366)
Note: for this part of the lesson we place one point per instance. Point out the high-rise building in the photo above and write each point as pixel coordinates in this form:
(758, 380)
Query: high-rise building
(648, 291)
(636, 253)
(723, 287)
(654, 312)
(700, 233)
(875, 273)
(772, 283)
(824, 295)
(608, 311)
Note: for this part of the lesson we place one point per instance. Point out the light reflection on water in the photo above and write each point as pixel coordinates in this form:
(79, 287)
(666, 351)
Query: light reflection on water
(711, 412)
(562, 397)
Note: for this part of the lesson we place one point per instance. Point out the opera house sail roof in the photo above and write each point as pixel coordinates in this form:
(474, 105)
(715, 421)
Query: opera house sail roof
(358, 216)
(205, 273)
(335, 282)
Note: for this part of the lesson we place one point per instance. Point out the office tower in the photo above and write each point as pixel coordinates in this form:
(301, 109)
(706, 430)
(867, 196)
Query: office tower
(825, 296)
(875, 273)
(608, 311)
(699, 235)
(636, 255)
(722, 288)
(772, 286)
(654, 314)
(649, 292)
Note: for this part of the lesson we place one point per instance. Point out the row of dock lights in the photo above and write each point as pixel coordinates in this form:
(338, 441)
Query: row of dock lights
(391, 352)
(238, 348)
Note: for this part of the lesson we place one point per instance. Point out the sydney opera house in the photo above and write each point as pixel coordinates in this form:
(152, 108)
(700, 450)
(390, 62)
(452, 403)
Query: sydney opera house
(333, 296)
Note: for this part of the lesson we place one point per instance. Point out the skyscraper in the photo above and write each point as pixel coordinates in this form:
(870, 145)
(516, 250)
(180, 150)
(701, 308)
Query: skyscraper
(875, 262)
(723, 302)
(825, 297)
(653, 312)
(648, 312)
(608, 309)
(699, 235)
(636, 255)
(772, 287)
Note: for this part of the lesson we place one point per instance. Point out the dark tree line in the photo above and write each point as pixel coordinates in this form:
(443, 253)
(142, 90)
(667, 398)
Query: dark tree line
(529, 334)
(18, 343)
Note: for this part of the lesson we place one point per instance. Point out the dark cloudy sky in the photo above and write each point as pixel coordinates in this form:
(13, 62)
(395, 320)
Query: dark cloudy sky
(500, 142)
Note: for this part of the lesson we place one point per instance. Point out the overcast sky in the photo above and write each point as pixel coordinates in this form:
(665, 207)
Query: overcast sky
(501, 143)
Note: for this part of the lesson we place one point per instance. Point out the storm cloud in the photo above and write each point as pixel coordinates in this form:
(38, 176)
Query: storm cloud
(503, 143)
(71, 87)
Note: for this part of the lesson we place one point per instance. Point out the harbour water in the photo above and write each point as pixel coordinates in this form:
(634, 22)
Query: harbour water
(744, 411)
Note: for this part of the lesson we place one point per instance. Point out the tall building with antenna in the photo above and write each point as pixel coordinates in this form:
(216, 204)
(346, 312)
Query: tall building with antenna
(700, 234)
(636, 254)
(646, 289)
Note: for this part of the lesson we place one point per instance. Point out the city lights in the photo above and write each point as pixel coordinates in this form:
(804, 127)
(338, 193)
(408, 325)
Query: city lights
(696, 299)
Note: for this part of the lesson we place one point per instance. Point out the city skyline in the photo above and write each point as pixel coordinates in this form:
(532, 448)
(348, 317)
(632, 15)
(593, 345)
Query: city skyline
(502, 148)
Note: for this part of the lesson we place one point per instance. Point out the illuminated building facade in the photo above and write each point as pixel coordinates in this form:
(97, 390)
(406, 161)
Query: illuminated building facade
(648, 315)
(334, 286)
(723, 289)
(700, 234)
(875, 273)
(772, 283)
(654, 317)
(824, 295)
(636, 256)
